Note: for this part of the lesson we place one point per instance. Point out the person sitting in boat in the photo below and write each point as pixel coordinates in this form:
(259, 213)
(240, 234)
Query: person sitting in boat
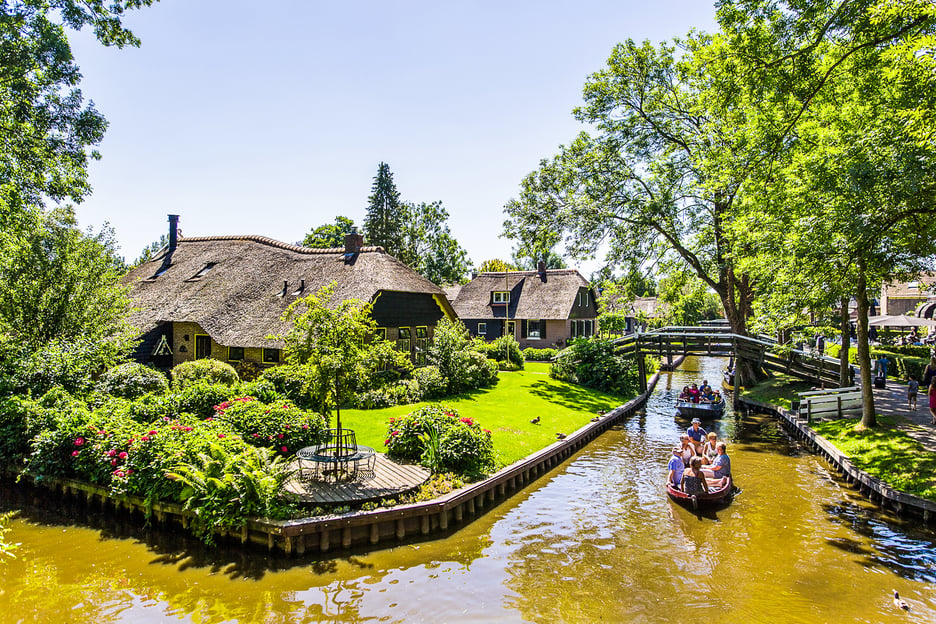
(684, 395)
(709, 450)
(705, 387)
(707, 395)
(687, 449)
(694, 393)
(693, 480)
(721, 465)
(718, 397)
(676, 467)
(697, 434)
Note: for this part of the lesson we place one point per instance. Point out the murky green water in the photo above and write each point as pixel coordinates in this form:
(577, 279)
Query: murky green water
(595, 540)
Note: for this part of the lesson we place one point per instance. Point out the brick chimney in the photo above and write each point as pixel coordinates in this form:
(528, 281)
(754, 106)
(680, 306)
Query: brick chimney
(541, 268)
(353, 241)
(173, 231)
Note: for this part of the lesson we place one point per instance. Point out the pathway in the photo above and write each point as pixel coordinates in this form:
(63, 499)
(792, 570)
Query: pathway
(892, 401)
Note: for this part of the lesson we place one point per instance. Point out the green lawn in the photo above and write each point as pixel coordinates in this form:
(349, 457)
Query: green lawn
(884, 452)
(506, 410)
(779, 390)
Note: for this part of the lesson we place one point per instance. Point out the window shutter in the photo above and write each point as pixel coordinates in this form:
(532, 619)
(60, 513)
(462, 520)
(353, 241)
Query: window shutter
(523, 329)
(543, 329)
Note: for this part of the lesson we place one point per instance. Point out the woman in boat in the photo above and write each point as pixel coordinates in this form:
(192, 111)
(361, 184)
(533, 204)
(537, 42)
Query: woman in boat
(694, 393)
(684, 395)
(720, 467)
(709, 450)
(687, 449)
(693, 480)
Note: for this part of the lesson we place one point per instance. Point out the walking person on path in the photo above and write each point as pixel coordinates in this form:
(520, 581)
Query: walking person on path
(932, 401)
(912, 387)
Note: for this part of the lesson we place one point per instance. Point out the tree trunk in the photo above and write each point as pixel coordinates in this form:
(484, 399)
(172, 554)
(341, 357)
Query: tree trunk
(864, 355)
(844, 367)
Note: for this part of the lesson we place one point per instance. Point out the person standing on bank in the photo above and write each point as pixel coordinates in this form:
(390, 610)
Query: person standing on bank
(913, 386)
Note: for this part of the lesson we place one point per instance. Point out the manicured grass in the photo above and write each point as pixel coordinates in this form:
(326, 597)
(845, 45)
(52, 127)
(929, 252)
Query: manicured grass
(506, 410)
(779, 390)
(885, 452)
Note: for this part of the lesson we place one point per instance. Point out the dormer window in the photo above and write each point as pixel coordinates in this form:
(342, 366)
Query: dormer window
(583, 298)
(161, 270)
(500, 296)
(203, 271)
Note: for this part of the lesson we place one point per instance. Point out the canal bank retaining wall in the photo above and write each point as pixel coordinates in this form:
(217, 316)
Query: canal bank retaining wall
(874, 489)
(331, 534)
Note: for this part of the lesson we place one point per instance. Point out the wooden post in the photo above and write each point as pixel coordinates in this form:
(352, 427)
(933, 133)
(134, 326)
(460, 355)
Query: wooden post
(736, 393)
(641, 369)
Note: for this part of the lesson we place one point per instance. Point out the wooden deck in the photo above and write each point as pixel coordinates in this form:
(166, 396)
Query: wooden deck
(389, 480)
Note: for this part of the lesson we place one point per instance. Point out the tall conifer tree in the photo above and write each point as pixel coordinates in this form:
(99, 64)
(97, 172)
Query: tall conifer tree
(383, 224)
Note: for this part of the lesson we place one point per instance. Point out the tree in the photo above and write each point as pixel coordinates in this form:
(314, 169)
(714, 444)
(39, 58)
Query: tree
(58, 283)
(526, 261)
(685, 299)
(151, 250)
(384, 222)
(643, 184)
(330, 235)
(496, 265)
(848, 200)
(46, 130)
(336, 342)
(428, 246)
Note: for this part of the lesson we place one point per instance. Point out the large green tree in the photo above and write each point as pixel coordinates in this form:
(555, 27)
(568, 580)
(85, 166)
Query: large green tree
(329, 235)
(383, 224)
(428, 245)
(46, 129)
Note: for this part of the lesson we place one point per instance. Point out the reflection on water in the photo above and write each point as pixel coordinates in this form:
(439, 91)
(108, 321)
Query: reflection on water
(596, 539)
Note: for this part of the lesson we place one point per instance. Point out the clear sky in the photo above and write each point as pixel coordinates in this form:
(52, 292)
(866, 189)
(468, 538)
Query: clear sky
(271, 117)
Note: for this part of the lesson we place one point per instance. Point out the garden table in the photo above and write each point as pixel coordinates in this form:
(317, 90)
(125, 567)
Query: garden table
(329, 462)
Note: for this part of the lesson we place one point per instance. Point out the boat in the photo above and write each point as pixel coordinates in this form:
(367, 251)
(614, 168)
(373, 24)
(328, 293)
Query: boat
(701, 499)
(702, 411)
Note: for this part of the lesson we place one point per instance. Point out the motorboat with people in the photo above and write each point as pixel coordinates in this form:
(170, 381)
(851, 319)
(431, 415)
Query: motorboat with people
(719, 491)
(700, 401)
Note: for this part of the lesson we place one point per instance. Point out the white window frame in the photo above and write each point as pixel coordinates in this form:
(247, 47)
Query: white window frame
(500, 296)
(539, 329)
(482, 329)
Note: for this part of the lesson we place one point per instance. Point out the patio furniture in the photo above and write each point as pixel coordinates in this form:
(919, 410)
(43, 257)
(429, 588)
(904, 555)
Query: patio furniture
(340, 458)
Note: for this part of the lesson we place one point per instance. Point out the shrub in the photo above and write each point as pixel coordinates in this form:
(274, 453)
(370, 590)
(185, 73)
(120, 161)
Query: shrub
(435, 436)
(200, 398)
(292, 381)
(247, 370)
(593, 363)
(531, 354)
(400, 393)
(281, 427)
(21, 419)
(204, 370)
(506, 349)
(431, 382)
(479, 372)
(131, 380)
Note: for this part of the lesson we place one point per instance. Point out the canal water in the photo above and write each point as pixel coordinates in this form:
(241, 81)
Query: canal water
(594, 540)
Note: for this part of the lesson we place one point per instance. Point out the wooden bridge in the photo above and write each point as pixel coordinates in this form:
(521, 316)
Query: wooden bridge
(673, 343)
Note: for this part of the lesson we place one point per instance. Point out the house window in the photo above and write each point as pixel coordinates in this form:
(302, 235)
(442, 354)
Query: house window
(203, 270)
(482, 329)
(512, 328)
(202, 346)
(583, 298)
(583, 328)
(271, 356)
(422, 346)
(403, 341)
(236, 354)
(534, 328)
(500, 296)
(380, 333)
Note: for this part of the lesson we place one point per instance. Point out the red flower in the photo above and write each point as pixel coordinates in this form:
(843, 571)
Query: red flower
(220, 435)
(79, 441)
(284, 449)
(152, 433)
(123, 455)
(113, 462)
(144, 439)
(75, 453)
(280, 436)
(386, 442)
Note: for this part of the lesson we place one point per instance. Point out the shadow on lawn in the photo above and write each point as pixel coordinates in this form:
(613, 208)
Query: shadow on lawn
(574, 397)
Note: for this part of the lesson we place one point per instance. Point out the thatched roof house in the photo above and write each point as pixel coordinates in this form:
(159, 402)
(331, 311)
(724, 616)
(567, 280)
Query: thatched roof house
(221, 296)
(539, 308)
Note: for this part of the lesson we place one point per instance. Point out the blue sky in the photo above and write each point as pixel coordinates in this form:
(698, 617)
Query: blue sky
(271, 117)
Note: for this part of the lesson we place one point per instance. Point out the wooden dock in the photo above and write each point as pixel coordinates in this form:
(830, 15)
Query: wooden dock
(389, 480)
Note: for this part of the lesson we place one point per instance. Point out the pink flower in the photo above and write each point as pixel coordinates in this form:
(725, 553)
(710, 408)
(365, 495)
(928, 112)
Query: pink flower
(386, 442)
(123, 455)
(113, 462)
(111, 453)
(144, 439)
(305, 426)
(75, 453)
(280, 436)
(287, 426)
(284, 449)
(256, 435)
(152, 433)
(79, 441)
(220, 435)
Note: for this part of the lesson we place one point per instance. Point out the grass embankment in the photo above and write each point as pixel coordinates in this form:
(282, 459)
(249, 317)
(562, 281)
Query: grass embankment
(506, 410)
(883, 451)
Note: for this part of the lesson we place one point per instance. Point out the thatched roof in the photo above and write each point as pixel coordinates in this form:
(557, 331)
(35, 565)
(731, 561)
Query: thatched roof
(532, 295)
(241, 298)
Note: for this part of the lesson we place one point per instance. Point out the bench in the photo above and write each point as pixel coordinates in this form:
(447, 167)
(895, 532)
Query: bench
(821, 403)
